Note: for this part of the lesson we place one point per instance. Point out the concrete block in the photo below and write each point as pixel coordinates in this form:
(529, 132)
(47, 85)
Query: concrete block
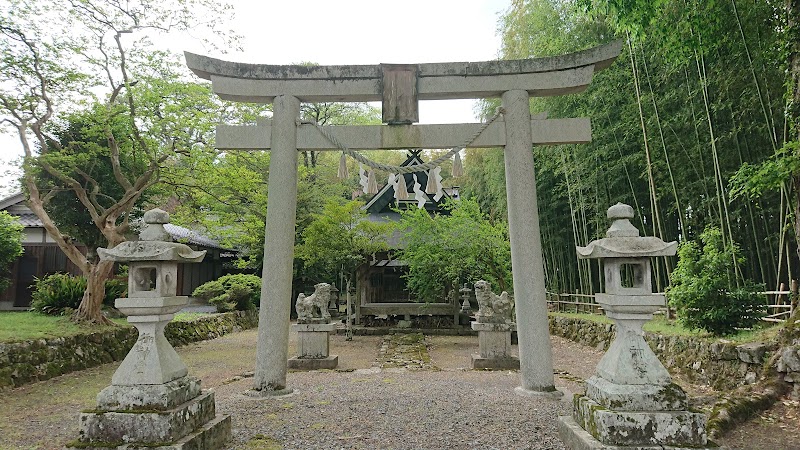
(313, 344)
(507, 363)
(494, 344)
(328, 362)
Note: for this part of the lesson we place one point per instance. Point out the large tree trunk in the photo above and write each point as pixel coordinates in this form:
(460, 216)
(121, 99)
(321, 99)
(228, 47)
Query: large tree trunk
(90, 309)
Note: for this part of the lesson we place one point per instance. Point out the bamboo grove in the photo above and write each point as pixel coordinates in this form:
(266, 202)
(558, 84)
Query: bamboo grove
(680, 123)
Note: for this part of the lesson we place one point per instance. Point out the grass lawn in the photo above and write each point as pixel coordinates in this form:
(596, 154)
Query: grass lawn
(26, 325)
(760, 333)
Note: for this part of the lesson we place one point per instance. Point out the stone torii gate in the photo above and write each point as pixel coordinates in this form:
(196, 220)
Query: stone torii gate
(399, 88)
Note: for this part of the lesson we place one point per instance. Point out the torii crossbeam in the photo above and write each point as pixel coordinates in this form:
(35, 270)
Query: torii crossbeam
(399, 88)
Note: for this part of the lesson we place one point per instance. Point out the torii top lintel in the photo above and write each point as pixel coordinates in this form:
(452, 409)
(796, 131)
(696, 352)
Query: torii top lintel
(261, 83)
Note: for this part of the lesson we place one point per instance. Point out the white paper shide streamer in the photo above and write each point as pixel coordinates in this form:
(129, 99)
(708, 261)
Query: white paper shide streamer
(362, 177)
(372, 183)
(419, 194)
(458, 168)
(343, 167)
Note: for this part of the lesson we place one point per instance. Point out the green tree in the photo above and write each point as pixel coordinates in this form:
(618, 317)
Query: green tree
(105, 61)
(10, 246)
(338, 240)
(226, 194)
(704, 291)
(445, 250)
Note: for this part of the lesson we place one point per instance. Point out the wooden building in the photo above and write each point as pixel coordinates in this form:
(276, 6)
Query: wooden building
(380, 284)
(42, 256)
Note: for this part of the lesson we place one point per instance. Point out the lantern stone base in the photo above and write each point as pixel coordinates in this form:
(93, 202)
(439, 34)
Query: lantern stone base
(313, 347)
(176, 415)
(636, 397)
(594, 426)
(494, 345)
(149, 396)
(576, 438)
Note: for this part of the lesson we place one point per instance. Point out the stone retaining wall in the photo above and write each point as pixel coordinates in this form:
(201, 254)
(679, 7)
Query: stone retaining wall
(719, 364)
(41, 359)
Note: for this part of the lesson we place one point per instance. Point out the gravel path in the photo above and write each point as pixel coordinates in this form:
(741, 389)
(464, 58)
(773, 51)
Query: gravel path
(361, 405)
(395, 409)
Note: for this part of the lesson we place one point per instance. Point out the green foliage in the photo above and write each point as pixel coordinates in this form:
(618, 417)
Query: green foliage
(696, 94)
(103, 116)
(60, 293)
(704, 291)
(227, 193)
(753, 180)
(443, 251)
(10, 246)
(237, 292)
(339, 238)
(80, 151)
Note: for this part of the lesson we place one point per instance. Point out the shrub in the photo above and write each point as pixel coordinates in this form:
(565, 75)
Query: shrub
(703, 289)
(231, 292)
(58, 293)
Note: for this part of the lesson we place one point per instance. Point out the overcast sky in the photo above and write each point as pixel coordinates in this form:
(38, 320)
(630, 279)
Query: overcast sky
(352, 32)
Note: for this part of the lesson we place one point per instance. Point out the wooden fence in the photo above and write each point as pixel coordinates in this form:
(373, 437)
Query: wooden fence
(779, 304)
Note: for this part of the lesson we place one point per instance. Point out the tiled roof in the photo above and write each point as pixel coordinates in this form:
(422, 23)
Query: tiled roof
(29, 220)
(185, 235)
(179, 234)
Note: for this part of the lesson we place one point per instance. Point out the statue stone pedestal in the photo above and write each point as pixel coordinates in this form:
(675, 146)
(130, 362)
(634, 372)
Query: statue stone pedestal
(494, 344)
(151, 402)
(313, 347)
(631, 401)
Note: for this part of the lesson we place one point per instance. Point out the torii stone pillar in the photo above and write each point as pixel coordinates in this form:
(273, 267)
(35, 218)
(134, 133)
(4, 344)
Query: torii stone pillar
(276, 278)
(535, 354)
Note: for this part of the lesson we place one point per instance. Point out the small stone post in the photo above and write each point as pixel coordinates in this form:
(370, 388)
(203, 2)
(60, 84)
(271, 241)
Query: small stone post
(151, 401)
(313, 329)
(494, 323)
(631, 401)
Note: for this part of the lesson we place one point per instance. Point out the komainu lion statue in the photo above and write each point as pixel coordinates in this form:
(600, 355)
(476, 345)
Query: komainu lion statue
(493, 308)
(314, 308)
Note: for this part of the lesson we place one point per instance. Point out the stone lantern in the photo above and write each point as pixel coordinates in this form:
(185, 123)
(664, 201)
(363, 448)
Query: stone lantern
(151, 400)
(631, 401)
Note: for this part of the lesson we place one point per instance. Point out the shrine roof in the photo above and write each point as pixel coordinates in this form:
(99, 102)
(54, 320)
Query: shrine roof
(383, 202)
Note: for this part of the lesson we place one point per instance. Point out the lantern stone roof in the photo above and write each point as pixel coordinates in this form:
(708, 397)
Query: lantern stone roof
(623, 241)
(154, 244)
(151, 251)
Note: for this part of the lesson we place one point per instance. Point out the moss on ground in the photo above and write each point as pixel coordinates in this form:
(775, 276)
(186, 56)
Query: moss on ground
(262, 442)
